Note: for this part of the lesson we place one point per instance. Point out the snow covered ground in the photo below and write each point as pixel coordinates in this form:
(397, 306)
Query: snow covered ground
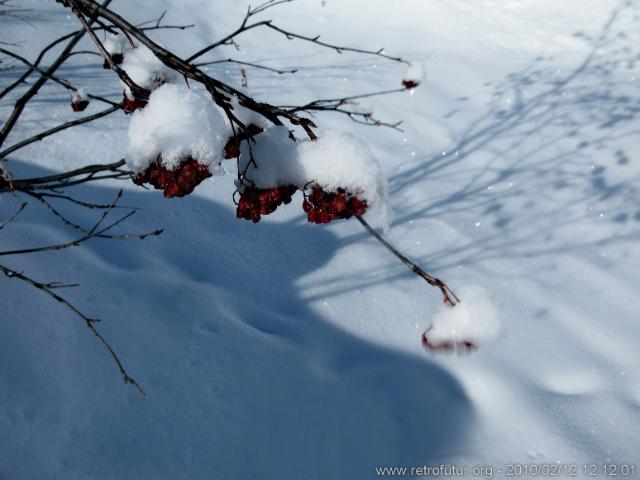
(288, 350)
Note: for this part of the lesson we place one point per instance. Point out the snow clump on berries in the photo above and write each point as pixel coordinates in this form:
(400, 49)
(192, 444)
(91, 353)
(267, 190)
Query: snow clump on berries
(277, 159)
(178, 123)
(340, 161)
(146, 70)
(335, 162)
(473, 322)
(413, 76)
(115, 45)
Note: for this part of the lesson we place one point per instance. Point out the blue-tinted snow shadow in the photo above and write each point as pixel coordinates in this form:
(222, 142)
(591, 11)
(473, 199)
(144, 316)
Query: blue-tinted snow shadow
(549, 153)
(244, 379)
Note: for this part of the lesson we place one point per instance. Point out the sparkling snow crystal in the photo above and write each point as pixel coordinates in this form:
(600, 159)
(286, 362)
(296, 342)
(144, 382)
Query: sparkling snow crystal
(176, 123)
(475, 319)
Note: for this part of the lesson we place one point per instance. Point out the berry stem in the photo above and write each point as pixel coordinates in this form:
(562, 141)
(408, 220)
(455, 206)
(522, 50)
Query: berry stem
(448, 296)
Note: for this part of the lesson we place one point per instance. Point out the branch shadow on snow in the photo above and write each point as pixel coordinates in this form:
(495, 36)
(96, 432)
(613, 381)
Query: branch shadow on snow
(245, 380)
(547, 156)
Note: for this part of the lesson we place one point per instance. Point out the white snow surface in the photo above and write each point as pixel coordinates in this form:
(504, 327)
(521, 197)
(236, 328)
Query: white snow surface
(290, 350)
(145, 69)
(178, 122)
(335, 160)
(476, 318)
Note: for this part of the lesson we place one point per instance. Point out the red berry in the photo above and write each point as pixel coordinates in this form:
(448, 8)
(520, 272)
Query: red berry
(187, 176)
(131, 105)
(409, 84)
(79, 105)
(172, 190)
(232, 149)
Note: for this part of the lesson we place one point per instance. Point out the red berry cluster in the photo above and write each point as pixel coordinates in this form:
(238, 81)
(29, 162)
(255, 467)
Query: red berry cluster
(255, 202)
(322, 207)
(132, 104)
(447, 346)
(176, 183)
(79, 105)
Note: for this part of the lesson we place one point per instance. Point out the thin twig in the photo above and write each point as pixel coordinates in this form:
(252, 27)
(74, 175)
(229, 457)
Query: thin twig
(29, 94)
(248, 64)
(13, 216)
(89, 322)
(61, 81)
(59, 128)
(448, 296)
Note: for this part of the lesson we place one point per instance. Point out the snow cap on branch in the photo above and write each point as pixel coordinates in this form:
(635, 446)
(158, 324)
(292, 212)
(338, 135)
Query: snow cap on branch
(115, 44)
(413, 76)
(146, 70)
(177, 123)
(475, 319)
(334, 161)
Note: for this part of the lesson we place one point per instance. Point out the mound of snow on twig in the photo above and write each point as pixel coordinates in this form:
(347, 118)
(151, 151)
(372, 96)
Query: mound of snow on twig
(115, 44)
(176, 123)
(475, 319)
(336, 160)
(146, 70)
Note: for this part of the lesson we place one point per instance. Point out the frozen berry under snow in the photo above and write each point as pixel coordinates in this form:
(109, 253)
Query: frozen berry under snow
(337, 164)
(413, 76)
(473, 322)
(146, 70)
(178, 123)
(79, 100)
(115, 46)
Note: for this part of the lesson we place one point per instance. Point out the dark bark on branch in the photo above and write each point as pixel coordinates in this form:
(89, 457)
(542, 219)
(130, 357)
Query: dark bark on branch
(29, 94)
(448, 296)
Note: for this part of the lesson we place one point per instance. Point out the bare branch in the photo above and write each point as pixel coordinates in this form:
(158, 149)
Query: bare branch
(59, 128)
(89, 322)
(13, 216)
(136, 90)
(66, 84)
(29, 94)
(248, 64)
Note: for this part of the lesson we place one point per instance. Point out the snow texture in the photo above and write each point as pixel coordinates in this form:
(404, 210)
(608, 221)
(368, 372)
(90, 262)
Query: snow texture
(291, 351)
(146, 70)
(177, 123)
(335, 160)
(475, 319)
(115, 44)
